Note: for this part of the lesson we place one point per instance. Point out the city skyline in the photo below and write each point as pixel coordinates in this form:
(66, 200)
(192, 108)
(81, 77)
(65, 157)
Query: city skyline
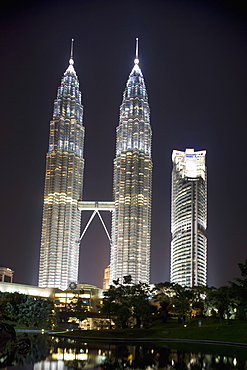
(193, 58)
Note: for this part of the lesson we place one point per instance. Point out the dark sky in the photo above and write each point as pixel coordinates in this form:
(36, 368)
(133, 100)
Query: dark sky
(193, 56)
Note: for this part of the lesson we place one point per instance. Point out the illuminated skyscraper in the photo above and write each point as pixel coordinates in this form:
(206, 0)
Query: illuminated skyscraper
(59, 251)
(131, 220)
(189, 218)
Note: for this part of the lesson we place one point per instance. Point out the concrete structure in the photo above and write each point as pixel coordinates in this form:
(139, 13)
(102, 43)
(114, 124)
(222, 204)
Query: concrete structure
(131, 220)
(96, 207)
(29, 290)
(106, 279)
(6, 274)
(59, 250)
(90, 294)
(189, 218)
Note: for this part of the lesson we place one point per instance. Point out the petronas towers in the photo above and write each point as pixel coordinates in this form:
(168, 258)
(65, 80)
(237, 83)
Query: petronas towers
(130, 252)
(131, 206)
(59, 251)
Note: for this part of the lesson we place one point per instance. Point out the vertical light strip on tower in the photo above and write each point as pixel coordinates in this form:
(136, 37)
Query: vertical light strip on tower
(59, 251)
(189, 218)
(131, 223)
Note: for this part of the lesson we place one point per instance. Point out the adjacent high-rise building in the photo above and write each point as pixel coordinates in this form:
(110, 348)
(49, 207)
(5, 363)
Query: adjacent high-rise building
(131, 221)
(189, 218)
(59, 251)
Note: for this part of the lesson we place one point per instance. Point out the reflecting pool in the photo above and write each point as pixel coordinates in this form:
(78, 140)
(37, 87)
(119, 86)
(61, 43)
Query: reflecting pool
(42, 352)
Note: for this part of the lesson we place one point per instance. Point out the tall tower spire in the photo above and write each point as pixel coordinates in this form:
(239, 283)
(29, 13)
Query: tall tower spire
(131, 224)
(59, 251)
(72, 49)
(136, 61)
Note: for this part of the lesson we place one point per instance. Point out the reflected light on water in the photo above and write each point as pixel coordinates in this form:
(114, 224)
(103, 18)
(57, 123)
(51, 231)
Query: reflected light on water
(57, 353)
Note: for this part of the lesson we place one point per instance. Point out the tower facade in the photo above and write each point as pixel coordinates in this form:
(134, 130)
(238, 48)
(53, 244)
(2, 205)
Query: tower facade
(131, 220)
(189, 218)
(59, 251)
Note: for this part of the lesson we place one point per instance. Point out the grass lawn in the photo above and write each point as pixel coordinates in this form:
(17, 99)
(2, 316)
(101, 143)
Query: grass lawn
(228, 331)
(210, 330)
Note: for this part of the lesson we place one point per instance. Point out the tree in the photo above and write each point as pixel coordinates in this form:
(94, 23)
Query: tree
(9, 305)
(162, 294)
(222, 300)
(175, 298)
(184, 302)
(199, 300)
(181, 302)
(36, 312)
(240, 291)
(140, 303)
(30, 311)
(125, 302)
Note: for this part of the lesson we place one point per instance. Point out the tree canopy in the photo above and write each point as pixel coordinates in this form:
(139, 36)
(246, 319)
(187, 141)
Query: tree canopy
(26, 310)
(239, 287)
(128, 304)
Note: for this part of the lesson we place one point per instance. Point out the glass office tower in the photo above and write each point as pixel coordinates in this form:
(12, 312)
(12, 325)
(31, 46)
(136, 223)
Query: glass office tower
(131, 222)
(189, 218)
(59, 251)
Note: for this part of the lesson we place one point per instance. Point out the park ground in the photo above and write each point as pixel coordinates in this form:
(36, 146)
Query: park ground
(208, 330)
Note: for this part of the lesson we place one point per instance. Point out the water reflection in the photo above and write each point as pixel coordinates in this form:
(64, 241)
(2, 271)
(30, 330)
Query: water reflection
(42, 352)
(23, 350)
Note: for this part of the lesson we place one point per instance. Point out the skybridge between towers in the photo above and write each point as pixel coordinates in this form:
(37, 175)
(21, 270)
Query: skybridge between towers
(96, 207)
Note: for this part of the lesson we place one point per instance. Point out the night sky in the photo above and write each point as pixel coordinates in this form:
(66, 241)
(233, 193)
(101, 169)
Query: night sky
(193, 56)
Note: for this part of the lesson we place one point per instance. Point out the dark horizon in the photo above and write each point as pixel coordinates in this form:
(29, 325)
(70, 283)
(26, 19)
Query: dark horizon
(193, 57)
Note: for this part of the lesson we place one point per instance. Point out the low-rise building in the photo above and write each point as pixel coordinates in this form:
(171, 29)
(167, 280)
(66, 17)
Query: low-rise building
(6, 274)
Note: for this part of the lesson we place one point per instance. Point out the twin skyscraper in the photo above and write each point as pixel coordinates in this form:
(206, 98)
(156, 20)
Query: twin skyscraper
(132, 187)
